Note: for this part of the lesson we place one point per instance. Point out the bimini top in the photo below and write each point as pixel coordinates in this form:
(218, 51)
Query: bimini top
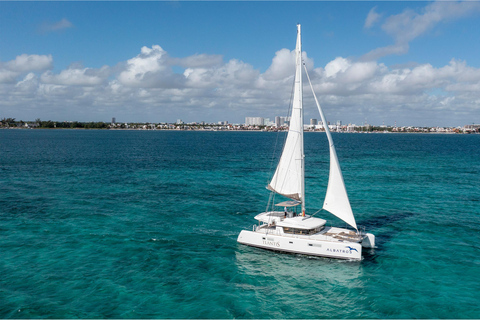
(300, 222)
(291, 203)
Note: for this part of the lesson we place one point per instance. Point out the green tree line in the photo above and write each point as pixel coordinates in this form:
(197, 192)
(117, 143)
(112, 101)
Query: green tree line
(49, 124)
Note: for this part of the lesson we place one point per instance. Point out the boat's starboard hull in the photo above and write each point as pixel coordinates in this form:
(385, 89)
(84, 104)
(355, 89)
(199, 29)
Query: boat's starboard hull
(320, 248)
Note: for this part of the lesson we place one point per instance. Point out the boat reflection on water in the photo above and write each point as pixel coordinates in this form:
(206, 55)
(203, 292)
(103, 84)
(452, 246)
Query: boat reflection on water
(290, 280)
(276, 264)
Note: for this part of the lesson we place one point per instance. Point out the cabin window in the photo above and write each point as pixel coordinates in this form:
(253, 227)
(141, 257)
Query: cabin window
(317, 230)
(302, 231)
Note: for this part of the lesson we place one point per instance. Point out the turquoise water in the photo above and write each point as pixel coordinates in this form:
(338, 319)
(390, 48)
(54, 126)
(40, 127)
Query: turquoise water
(143, 224)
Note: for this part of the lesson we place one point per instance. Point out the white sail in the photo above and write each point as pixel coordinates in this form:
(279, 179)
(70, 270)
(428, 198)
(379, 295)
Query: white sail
(336, 199)
(288, 179)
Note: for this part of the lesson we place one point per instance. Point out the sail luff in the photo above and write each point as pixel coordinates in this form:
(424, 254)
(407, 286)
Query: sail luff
(336, 198)
(288, 179)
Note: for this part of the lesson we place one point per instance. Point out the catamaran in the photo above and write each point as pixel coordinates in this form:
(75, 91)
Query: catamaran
(297, 232)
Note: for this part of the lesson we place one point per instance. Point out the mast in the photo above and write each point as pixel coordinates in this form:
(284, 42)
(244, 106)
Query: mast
(299, 87)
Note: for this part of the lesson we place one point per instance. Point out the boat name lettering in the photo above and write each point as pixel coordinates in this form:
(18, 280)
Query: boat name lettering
(271, 243)
(339, 250)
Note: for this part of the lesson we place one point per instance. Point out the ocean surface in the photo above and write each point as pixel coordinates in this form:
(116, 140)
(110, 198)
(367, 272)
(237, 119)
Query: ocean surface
(143, 224)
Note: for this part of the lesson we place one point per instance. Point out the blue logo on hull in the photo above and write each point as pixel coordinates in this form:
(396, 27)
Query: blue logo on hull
(351, 249)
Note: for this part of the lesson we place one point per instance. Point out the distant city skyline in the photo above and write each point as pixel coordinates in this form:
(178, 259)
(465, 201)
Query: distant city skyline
(257, 121)
(410, 63)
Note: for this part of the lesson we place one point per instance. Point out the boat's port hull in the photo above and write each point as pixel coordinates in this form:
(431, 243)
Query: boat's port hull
(320, 248)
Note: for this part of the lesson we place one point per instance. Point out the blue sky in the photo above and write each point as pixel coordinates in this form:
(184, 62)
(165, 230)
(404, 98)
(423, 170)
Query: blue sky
(413, 63)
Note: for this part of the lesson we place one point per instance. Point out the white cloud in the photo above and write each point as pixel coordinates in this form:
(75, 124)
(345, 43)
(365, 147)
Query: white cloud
(372, 18)
(32, 62)
(145, 88)
(409, 25)
(149, 69)
(29, 83)
(7, 76)
(397, 49)
(233, 73)
(282, 65)
(198, 61)
(11, 70)
(338, 65)
(55, 26)
(76, 76)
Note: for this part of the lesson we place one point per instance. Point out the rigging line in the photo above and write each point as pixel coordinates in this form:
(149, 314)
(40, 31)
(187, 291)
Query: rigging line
(324, 121)
(316, 212)
(268, 203)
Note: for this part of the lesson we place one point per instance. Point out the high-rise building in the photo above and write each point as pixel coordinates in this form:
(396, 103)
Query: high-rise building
(313, 122)
(254, 121)
(267, 122)
(277, 121)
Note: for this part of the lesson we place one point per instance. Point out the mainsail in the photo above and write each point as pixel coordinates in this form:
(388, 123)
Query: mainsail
(288, 179)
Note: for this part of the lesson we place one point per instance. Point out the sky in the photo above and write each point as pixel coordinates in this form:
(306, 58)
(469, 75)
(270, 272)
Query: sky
(407, 63)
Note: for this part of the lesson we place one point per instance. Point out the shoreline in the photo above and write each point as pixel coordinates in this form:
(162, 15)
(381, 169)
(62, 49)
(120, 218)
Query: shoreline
(241, 130)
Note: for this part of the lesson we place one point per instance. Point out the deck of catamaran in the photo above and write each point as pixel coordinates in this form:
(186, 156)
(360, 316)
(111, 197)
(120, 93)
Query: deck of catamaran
(307, 227)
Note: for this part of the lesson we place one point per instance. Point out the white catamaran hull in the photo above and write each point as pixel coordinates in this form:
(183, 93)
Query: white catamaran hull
(322, 248)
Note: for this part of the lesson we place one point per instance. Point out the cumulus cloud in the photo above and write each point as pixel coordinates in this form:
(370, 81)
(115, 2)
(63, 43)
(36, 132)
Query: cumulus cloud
(283, 65)
(356, 89)
(150, 68)
(29, 83)
(198, 61)
(7, 76)
(209, 87)
(11, 70)
(409, 25)
(77, 76)
(32, 62)
(232, 73)
(338, 65)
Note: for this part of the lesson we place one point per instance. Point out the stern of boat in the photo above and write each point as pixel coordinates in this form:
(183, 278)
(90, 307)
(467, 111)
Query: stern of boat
(368, 241)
